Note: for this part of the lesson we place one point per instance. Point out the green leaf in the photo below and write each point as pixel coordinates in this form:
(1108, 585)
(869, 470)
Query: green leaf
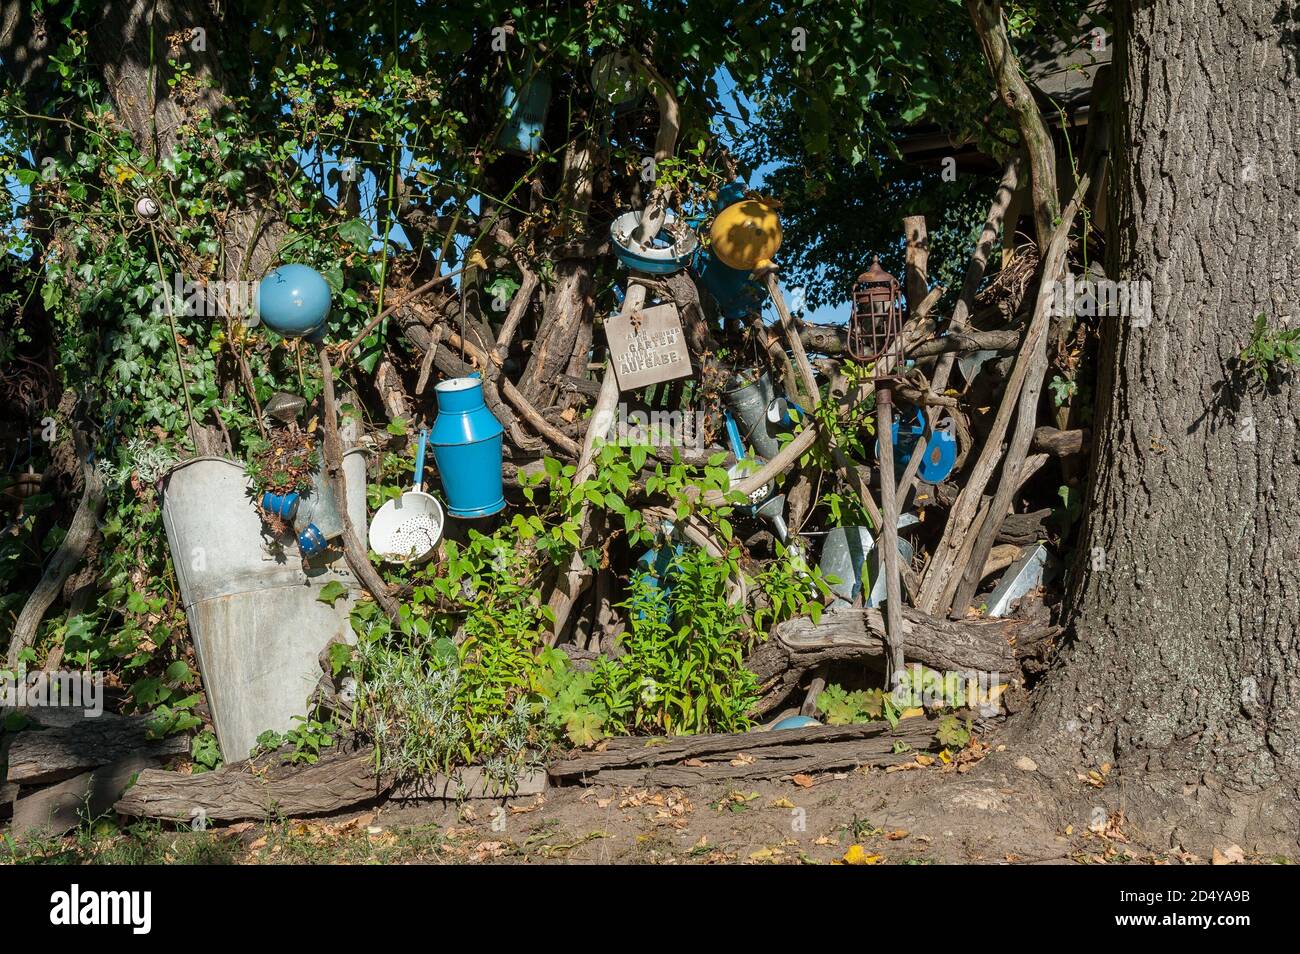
(331, 592)
(357, 232)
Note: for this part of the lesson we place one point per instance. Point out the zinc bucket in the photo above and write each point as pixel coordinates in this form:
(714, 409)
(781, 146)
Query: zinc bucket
(466, 442)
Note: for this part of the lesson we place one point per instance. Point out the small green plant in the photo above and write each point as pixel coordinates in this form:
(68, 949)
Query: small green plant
(308, 739)
(1271, 352)
(792, 589)
(205, 752)
(141, 462)
(283, 462)
(953, 733)
(840, 706)
(1062, 389)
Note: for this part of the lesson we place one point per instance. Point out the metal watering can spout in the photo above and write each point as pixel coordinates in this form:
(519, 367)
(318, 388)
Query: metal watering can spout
(773, 511)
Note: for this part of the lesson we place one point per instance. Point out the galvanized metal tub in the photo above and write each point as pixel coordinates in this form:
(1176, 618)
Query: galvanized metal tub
(257, 624)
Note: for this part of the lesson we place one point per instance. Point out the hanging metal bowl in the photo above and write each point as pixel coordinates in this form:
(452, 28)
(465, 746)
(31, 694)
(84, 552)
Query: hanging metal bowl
(669, 251)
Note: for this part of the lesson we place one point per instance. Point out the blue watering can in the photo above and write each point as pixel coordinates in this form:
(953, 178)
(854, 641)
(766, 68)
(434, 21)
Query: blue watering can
(466, 442)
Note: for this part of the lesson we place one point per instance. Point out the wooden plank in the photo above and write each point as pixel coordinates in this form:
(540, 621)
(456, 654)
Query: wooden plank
(51, 755)
(720, 757)
(237, 792)
(62, 807)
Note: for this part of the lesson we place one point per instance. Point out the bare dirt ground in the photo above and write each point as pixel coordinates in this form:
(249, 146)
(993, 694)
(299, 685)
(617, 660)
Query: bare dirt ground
(1001, 810)
(996, 802)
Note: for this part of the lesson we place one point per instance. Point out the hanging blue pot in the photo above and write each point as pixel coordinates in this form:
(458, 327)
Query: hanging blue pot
(522, 132)
(294, 301)
(311, 540)
(283, 506)
(466, 442)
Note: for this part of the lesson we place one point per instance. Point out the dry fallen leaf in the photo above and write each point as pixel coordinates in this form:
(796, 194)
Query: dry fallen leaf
(898, 835)
(803, 781)
(857, 855)
(1232, 855)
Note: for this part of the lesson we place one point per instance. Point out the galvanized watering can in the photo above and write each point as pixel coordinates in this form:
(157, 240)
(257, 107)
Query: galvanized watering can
(760, 413)
(849, 554)
(466, 442)
(257, 624)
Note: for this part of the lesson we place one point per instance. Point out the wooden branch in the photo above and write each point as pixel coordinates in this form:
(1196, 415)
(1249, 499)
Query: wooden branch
(1015, 93)
(961, 313)
(51, 755)
(573, 580)
(659, 761)
(967, 342)
(842, 462)
(518, 306)
(916, 280)
(237, 792)
(1028, 367)
(354, 550)
(799, 645)
(949, 590)
(396, 306)
(512, 394)
(65, 559)
(1060, 443)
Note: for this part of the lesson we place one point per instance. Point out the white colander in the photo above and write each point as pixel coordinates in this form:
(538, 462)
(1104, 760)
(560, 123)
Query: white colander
(407, 530)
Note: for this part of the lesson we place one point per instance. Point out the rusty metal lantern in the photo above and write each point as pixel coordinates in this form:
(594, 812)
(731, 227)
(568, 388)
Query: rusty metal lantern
(876, 326)
(876, 335)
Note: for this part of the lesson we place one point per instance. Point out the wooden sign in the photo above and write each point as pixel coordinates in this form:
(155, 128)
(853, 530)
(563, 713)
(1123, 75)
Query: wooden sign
(648, 347)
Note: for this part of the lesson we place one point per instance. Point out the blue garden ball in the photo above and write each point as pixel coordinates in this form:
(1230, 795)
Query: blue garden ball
(293, 300)
(795, 722)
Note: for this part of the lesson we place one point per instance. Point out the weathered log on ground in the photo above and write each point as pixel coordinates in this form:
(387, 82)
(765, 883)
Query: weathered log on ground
(237, 792)
(798, 645)
(1058, 443)
(1025, 528)
(60, 808)
(37, 758)
(752, 755)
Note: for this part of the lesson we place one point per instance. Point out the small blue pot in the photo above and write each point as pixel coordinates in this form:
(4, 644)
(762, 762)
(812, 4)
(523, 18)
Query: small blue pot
(311, 541)
(294, 301)
(466, 442)
(280, 505)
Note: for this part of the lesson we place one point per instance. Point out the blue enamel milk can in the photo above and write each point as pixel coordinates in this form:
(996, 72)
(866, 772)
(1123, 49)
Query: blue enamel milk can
(466, 442)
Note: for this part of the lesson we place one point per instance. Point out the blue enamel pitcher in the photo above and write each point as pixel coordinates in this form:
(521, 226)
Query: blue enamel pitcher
(466, 442)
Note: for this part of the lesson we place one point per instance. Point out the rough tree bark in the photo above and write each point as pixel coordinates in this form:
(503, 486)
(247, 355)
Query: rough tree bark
(1185, 610)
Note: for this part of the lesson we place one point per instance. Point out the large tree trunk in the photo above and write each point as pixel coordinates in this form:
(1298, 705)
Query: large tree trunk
(1184, 607)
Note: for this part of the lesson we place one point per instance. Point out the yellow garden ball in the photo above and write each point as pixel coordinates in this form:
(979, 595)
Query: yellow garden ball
(746, 235)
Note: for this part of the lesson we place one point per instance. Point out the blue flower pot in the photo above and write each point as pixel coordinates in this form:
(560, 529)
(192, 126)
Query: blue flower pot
(466, 442)
(280, 505)
(311, 541)
(294, 301)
